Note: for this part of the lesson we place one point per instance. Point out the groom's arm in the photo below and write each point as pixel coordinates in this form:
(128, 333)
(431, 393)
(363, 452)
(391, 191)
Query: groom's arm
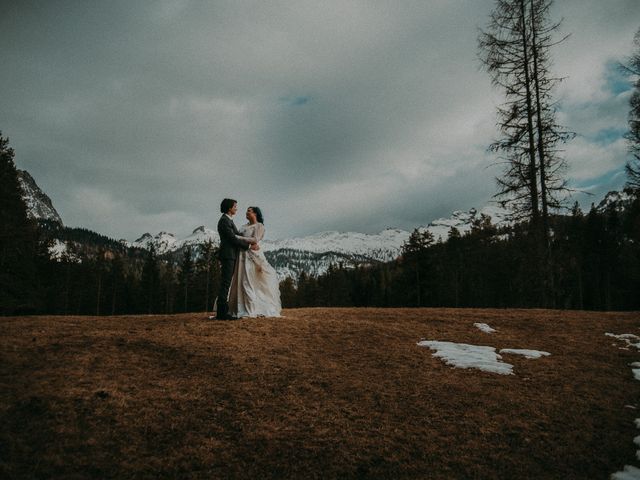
(226, 230)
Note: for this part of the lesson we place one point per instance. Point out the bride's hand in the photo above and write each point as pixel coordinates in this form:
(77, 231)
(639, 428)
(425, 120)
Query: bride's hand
(255, 247)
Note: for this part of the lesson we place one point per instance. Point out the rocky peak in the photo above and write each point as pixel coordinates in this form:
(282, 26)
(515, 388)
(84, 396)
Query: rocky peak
(614, 200)
(39, 205)
(146, 237)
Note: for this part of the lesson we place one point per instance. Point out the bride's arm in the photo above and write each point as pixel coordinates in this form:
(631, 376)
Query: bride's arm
(259, 232)
(256, 235)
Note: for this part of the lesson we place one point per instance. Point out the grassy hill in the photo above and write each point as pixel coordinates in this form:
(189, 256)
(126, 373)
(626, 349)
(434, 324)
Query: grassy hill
(320, 393)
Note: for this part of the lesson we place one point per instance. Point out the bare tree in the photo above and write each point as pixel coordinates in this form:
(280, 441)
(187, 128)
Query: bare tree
(515, 49)
(633, 135)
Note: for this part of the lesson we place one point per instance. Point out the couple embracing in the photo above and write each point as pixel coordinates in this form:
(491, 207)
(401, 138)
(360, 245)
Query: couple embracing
(248, 285)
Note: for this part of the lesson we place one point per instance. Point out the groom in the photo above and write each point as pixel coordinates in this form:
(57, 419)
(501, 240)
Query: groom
(230, 244)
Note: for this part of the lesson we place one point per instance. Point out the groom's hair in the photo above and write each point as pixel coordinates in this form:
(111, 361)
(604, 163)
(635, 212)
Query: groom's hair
(227, 204)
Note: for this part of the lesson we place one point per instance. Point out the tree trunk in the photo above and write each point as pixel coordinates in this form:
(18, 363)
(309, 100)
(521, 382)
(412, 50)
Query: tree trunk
(539, 128)
(99, 294)
(533, 181)
(418, 285)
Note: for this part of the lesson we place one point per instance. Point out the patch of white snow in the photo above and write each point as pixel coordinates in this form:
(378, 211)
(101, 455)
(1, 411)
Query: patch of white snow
(484, 327)
(629, 473)
(630, 339)
(57, 249)
(462, 355)
(526, 353)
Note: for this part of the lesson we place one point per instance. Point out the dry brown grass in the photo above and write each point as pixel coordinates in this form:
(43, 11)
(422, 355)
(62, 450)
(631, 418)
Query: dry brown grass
(324, 393)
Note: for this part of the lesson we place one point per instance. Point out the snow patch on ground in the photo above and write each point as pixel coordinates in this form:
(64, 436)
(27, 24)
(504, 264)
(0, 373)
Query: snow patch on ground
(629, 338)
(462, 355)
(630, 472)
(484, 327)
(526, 353)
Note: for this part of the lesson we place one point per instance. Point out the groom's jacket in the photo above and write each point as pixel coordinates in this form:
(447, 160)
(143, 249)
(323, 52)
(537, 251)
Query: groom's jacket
(229, 243)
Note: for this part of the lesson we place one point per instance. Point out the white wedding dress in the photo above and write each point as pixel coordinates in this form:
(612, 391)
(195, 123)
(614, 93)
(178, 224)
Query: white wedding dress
(255, 290)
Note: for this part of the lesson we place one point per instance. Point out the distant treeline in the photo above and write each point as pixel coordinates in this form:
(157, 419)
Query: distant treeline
(594, 265)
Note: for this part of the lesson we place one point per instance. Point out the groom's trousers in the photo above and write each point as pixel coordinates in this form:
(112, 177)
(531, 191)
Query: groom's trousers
(227, 266)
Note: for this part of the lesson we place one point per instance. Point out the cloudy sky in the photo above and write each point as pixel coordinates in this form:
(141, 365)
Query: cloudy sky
(334, 115)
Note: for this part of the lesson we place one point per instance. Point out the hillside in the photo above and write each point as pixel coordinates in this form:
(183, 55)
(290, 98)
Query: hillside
(321, 393)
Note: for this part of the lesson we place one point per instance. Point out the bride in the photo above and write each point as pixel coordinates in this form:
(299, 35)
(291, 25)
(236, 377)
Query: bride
(255, 290)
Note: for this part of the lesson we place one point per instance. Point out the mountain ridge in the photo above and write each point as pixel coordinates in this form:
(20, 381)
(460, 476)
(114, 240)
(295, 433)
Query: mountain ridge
(312, 254)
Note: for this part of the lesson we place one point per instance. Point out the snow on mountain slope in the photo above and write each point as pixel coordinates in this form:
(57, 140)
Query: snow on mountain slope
(39, 205)
(615, 200)
(314, 253)
(384, 246)
(463, 221)
(199, 236)
(163, 242)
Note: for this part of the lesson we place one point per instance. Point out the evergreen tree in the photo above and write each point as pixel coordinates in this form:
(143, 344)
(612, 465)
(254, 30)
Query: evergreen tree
(169, 287)
(288, 293)
(18, 241)
(207, 276)
(149, 283)
(415, 253)
(186, 277)
(515, 49)
(117, 282)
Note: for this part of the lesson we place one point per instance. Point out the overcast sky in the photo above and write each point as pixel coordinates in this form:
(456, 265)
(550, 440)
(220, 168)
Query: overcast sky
(330, 115)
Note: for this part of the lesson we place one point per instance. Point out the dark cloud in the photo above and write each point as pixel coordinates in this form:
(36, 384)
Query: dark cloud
(140, 116)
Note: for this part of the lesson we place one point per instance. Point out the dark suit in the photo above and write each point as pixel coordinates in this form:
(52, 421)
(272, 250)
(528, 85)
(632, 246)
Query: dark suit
(229, 246)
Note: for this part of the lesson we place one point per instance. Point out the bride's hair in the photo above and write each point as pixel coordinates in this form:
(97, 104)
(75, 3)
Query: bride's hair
(258, 213)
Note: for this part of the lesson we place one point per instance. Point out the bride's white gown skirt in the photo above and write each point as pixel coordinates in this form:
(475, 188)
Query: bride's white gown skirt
(255, 289)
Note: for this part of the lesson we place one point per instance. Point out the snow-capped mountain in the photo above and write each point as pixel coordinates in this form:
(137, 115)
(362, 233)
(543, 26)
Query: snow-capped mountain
(463, 221)
(199, 236)
(39, 205)
(616, 200)
(165, 242)
(314, 253)
(384, 246)
(291, 263)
